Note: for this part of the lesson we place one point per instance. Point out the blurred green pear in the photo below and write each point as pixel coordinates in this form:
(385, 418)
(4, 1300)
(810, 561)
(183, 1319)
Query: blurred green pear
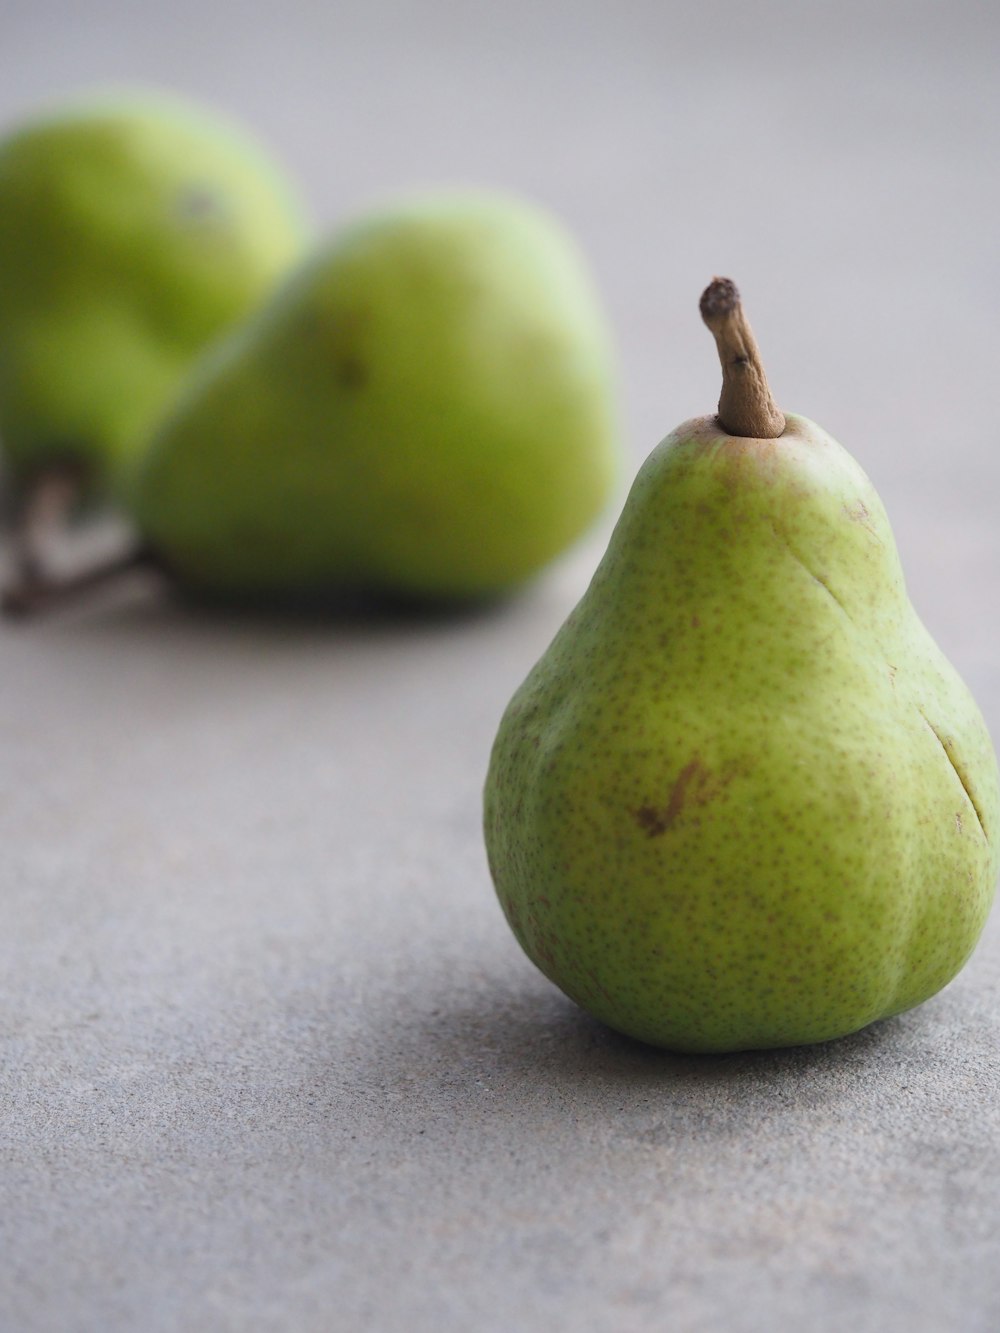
(134, 229)
(425, 408)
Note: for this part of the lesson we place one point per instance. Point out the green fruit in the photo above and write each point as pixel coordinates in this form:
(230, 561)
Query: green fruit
(425, 408)
(133, 230)
(743, 800)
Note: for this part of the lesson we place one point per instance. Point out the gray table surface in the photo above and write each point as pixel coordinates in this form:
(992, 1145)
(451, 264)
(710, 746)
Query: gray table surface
(271, 1059)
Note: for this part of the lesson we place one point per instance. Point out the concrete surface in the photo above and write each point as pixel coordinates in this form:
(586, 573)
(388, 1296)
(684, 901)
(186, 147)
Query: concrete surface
(271, 1059)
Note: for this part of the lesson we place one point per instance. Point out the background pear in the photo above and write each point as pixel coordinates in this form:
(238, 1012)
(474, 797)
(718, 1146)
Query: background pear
(134, 228)
(743, 800)
(426, 407)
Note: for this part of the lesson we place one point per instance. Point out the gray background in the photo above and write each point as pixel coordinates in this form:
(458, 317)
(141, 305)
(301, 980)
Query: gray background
(270, 1057)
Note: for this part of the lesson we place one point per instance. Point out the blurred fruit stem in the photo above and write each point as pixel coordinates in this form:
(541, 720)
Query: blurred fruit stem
(32, 593)
(43, 506)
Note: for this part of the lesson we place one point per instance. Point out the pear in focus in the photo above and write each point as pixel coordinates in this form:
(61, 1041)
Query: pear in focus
(134, 229)
(743, 801)
(425, 408)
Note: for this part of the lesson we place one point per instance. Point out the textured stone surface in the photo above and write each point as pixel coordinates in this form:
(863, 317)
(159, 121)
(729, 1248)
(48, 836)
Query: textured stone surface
(270, 1058)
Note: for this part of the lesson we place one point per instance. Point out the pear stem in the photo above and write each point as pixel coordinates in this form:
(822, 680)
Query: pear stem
(34, 594)
(43, 509)
(746, 407)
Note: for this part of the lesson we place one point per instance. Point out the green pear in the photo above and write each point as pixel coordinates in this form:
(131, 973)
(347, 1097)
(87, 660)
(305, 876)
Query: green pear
(134, 229)
(425, 408)
(743, 801)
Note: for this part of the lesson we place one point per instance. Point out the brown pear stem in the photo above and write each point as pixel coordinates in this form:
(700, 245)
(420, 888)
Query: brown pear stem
(39, 593)
(746, 407)
(43, 509)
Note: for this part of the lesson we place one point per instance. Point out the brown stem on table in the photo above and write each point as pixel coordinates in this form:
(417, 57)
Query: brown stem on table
(33, 595)
(746, 407)
(44, 505)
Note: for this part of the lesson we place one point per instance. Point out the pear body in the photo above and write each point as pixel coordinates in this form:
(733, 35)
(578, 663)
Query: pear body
(743, 801)
(426, 407)
(134, 229)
